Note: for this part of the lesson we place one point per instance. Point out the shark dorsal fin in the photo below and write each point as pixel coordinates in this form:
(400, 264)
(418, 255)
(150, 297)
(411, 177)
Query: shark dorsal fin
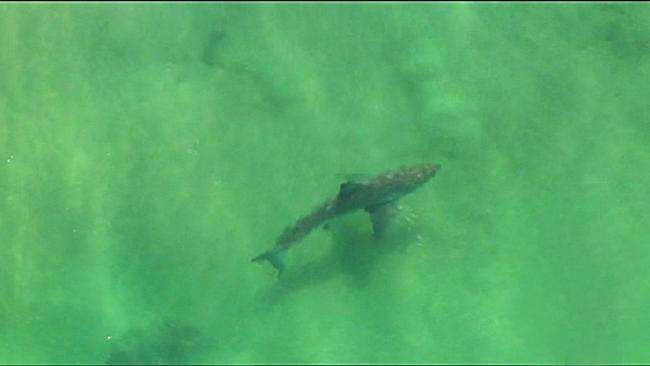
(348, 188)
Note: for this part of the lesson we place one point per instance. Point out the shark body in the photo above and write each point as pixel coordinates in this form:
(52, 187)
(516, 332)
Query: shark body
(378, 196)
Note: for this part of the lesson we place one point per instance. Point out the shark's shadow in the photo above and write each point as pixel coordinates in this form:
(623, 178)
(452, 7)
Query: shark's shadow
(354, 255)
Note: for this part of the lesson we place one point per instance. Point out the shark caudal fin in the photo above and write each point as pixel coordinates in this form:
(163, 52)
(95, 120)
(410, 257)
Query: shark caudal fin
(275, 256)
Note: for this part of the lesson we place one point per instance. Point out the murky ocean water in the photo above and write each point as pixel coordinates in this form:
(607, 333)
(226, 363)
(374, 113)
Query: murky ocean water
(149, 151)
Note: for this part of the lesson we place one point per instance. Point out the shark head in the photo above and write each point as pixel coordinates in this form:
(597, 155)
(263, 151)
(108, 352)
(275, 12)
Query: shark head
(392, 185)
(424, 172)
(414, 176)
(404, 180)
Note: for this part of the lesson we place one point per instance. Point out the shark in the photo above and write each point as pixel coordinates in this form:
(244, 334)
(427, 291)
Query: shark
(378, 195)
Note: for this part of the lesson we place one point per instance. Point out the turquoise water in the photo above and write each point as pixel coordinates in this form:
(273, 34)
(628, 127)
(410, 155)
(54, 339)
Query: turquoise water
(149, 151)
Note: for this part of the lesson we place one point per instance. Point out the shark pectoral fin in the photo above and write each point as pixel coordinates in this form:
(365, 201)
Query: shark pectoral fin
(381, 215)
(275, 256)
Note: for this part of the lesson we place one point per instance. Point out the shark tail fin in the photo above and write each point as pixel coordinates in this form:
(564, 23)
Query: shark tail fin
(275, 256)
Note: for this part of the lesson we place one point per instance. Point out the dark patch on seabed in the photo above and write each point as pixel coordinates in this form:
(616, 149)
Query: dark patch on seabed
(167, 341)
(215, 55)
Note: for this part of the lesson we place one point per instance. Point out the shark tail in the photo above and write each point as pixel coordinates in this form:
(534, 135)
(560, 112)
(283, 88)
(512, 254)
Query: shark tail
(275, 256)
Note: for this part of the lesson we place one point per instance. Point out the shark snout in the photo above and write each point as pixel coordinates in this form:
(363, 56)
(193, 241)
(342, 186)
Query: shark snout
(424, 172)
(432, 169)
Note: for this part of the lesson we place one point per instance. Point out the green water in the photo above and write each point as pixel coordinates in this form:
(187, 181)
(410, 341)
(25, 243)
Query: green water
(148, 151)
